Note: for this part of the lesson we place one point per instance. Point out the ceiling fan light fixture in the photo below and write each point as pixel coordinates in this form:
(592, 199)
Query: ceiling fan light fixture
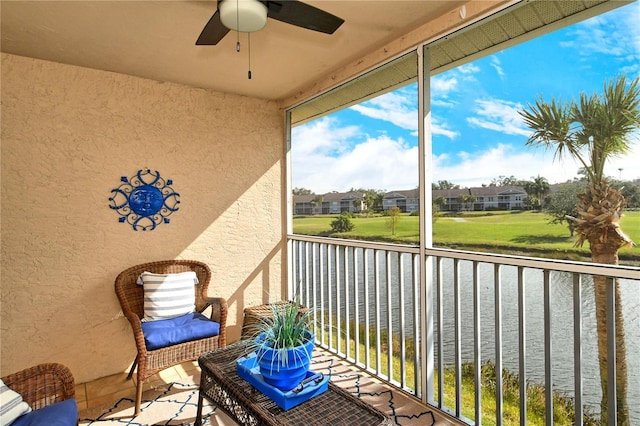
(245, 16)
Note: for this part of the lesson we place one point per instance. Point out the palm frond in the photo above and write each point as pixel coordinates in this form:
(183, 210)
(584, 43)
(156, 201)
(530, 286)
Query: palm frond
(592, 129)
(549, 124)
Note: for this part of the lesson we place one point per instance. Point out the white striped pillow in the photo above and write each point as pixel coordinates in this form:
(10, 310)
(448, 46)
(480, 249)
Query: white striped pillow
(168, 295)
(11, 405)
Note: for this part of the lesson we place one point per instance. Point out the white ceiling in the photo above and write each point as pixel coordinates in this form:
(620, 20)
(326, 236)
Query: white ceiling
(156, 40)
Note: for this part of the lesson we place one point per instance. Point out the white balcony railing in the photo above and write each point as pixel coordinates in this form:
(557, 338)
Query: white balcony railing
(533, 319)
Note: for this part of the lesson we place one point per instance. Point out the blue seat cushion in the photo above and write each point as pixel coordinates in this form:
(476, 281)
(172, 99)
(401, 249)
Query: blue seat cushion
(63, 413)
(185, 328)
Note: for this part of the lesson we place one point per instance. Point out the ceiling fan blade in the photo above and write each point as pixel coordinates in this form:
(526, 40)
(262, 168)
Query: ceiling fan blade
(303, 15)
(213, 32)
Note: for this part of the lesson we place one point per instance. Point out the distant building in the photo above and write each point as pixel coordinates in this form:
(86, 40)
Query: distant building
(486, 198)
(304, 204)
(330, 203)
(407, 201)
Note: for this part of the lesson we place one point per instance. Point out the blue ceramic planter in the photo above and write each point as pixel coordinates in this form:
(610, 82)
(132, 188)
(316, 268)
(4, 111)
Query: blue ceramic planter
(284, 370)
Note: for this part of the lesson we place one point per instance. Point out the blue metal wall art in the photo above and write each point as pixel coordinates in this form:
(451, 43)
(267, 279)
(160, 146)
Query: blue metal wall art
(144, 200)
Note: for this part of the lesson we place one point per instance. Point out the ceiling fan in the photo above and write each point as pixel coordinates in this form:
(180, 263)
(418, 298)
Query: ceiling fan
(251, 15)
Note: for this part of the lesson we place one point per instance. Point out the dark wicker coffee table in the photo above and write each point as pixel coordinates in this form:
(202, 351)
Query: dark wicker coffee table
(220, 384)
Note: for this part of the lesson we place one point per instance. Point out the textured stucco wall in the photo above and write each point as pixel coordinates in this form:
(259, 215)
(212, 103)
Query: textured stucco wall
(68, 135)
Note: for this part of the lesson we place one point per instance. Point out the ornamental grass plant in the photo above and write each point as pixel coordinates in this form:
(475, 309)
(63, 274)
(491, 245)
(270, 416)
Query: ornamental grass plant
(288, 327)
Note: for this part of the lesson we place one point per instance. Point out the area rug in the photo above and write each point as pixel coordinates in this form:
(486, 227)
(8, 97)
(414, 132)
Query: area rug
(401, 408)
(176, 403)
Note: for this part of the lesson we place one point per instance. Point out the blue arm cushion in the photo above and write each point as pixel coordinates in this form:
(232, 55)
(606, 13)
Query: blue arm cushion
(63, 413)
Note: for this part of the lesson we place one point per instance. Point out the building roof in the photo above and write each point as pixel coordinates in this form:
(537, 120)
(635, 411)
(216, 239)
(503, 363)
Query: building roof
(482, 191)
(329, 197)
(403, 193)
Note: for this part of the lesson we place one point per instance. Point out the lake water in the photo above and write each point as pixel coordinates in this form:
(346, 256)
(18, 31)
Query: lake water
(562, 329)
(561, 289)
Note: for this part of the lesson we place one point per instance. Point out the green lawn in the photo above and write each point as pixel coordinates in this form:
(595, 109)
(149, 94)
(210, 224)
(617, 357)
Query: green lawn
(489, 231)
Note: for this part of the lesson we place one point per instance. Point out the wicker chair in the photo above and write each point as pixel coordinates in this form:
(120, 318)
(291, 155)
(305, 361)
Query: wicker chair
(43, 385)
(131, 297)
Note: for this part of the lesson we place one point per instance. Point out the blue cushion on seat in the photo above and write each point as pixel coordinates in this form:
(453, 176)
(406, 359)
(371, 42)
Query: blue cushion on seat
(63, 413)
(185, 328)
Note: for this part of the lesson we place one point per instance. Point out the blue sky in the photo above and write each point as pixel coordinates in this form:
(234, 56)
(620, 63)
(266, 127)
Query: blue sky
(477, 134)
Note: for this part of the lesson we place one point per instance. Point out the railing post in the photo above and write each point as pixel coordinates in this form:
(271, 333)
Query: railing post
(377, 311)
(341, 253)
(457, 336)
(356, 302)
(477, 344)
(577, 347)
(389, 318)
(522, 333)
(315, 272)
(307, 266)
(367, 340)
(324, 267)
(417, 324)
(402, 324)
(440, 343)
(347, 299)
(548, 350)
(612, 404)
(498, 332)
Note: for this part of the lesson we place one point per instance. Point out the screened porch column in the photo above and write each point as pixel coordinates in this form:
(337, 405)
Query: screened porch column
(426, 224)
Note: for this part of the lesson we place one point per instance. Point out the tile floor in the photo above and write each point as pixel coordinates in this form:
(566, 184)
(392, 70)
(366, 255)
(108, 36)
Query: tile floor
(109, 389)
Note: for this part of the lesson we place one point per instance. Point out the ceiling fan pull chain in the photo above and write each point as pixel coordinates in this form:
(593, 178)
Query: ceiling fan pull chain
(249, 44)
(237, 25)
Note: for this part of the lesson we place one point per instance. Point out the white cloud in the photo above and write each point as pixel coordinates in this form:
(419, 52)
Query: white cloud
(499, 115)
(502, 160)
(398, 108)
(322, 137)
(443, 103)
(613, 34)
(468, 68)
(444, 90)
(379, 163)
(439, 128)
(496, 65)
(386, 164)
(505, 160)
(442, 86)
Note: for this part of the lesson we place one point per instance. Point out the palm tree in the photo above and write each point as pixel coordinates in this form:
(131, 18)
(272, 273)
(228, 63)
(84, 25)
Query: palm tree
(537, 188)
(593, 130)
